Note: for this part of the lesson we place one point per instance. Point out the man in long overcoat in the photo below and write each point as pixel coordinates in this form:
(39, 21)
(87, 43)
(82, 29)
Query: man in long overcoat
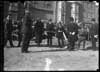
(72, 29)
(50, 32)
(8, 31)
(27, 31)
(39, 30)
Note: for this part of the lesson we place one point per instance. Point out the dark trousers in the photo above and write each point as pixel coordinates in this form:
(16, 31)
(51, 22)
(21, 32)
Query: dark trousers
(8, 37)
(84, 42)
(60, 42)
(93, 40)
(49, 41)
(19, 39)
(26, 41)
(72, 39)
(49, 38)
(71, 45)
(38, 38)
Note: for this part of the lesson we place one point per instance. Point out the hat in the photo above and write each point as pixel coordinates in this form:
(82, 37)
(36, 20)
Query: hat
(50, 19)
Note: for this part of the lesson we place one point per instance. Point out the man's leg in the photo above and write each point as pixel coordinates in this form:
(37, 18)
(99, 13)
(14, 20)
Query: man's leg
(38, 39)
(10, 40)
(62, 42)
(47, 41)
(5, 40)
(25, 43)
(19, 39)
(72, 45)
(93, 43)
(58, 42)
(84, 42)
(51, 41)
(79, 42)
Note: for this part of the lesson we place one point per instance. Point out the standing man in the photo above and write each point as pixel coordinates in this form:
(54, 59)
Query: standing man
(27, 32)
(59, 35)
(8, 31)
(50, 32)
(39, 30)
(94, 33)
(72, 29)
(19, 33)
(83, 35)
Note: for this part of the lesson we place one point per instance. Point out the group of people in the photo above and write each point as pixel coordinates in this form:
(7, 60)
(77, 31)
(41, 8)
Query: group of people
(27, 29)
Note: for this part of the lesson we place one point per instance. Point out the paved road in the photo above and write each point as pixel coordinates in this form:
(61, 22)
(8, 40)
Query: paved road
(36, 59)
(45, 58)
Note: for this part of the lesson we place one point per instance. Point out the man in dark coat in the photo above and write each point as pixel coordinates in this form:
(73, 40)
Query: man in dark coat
(94, 33)
(72, 29)
(39, 30)
(83, 35)
(27, 32)
(19, 33)
(50, 32)
(59, 35)
(8, 31)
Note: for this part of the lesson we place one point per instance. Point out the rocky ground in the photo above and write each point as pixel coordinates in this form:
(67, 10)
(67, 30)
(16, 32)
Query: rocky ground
(60, 59)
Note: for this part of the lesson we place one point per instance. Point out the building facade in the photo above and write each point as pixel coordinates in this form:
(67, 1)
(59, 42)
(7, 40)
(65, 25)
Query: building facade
(43, 9)
(81, 11)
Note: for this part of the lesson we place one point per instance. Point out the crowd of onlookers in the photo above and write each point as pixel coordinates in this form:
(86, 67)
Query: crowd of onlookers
(27, 28)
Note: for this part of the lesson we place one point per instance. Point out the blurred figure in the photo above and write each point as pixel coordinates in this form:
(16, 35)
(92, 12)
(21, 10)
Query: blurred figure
(50, 32)
(8, 31)
(39, 30)
(27, 32)
(19, 33)
(83, 35)
(94, 33)
(72, 29)
(60, 35)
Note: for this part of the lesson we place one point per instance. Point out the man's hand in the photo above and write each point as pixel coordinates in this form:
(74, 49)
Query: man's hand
(96, 36)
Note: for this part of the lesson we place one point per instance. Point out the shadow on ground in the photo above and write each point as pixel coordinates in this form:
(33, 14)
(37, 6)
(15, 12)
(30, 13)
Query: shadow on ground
(54, 50)
(53, 46)
(90, 48)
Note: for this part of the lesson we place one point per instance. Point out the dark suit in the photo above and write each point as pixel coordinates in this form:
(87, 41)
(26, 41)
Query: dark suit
(39, 30)
(8, 32)
(19, 33)
(27, 32)
(60, 36)
(72, 38)
(50, 33)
